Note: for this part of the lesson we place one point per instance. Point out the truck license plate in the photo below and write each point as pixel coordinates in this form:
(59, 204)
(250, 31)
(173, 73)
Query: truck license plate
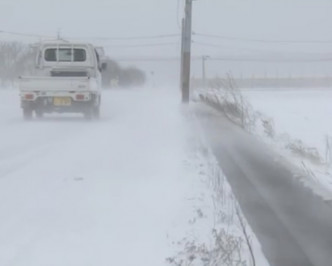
(62, 101)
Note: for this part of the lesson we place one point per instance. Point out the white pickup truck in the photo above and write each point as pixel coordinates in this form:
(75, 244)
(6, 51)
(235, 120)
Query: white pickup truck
(67, 79)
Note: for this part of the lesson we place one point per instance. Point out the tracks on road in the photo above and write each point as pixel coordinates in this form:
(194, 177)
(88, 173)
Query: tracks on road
(25, 142)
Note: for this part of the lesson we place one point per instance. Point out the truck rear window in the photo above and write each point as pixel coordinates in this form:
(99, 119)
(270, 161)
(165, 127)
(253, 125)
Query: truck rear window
(65, 55)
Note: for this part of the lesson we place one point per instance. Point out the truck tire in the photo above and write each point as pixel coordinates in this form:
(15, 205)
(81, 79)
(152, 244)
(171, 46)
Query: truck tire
(39, 113)
(27, 113)
(88, 114)
(96, 112)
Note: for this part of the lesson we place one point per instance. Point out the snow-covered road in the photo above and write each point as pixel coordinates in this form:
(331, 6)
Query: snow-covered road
(131, 189)
(74, 192)
(142, 187)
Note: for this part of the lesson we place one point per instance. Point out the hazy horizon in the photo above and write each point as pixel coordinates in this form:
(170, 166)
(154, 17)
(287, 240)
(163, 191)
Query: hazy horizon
(302, 22)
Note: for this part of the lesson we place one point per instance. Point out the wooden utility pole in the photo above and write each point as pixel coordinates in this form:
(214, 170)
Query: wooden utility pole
(181, 56)
(186, 53)
(204, 58)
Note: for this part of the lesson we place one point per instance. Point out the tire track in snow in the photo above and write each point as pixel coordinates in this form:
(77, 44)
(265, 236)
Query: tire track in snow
(18, 161)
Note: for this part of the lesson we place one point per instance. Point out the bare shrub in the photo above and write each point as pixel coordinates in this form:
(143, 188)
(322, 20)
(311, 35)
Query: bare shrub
(226, 250)
(298, 148)
(268, 126)
(230, 240)
(226, 97)
(328, 150)
(15, 59)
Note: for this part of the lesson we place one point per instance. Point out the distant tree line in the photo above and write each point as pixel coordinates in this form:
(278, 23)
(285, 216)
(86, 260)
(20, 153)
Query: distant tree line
(117, 76)
(17, 59)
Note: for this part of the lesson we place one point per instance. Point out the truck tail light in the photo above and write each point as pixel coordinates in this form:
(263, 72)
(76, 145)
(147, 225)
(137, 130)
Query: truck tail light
(80, 97)
(29, 96)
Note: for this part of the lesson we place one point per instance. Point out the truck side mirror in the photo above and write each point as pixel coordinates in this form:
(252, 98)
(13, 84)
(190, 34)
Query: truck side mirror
(103, 66)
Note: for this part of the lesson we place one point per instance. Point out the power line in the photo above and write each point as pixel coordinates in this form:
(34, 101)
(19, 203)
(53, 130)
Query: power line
(152, 58)
(25, 34)
(137, 38)
(263, 40)
(278, 53)
(162, 36)
(220, 46)
(147, 59)
(144, 37)
(248, 59)
(142, 45)
(208, 44)
(272, 59)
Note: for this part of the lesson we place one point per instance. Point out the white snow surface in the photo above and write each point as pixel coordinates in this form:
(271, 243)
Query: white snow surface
(299, 115)
(118, 191)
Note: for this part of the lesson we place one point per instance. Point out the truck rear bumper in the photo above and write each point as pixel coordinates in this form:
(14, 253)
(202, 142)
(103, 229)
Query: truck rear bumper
(61, 104)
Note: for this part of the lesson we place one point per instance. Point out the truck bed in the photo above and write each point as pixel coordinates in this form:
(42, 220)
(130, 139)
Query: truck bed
(34, 83)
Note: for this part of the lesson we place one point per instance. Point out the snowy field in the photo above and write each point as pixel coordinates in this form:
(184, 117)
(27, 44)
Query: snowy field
(134, 188)
(301, 117)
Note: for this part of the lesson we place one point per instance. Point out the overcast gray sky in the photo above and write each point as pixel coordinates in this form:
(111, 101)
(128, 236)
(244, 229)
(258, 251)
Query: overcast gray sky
(297, 20)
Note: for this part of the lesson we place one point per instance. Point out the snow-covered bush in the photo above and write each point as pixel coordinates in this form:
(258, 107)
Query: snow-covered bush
(225, 96)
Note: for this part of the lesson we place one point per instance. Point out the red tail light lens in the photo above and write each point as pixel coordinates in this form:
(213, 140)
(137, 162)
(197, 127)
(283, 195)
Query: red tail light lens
(80, 97)
(29, 96)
